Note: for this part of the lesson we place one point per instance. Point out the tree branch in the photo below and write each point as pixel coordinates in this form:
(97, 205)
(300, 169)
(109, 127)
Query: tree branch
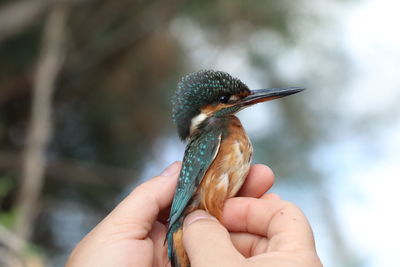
(39, 132)
(75, 171)
(10, 240)
(18, 15)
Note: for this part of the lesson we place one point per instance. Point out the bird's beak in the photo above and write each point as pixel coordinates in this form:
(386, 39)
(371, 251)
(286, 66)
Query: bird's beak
(262, 95)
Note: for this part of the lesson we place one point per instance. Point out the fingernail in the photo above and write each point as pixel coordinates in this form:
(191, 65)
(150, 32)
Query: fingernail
(197, 215)
(171, 169)
(271, 196)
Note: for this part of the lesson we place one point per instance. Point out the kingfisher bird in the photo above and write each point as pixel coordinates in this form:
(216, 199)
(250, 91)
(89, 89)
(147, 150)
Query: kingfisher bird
(218, 155)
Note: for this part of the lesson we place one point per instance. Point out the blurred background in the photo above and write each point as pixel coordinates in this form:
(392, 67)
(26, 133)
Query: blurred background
(85, 89)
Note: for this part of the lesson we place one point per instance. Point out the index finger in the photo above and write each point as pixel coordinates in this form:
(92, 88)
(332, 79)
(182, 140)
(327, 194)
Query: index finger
(258, 181)
(283, 223)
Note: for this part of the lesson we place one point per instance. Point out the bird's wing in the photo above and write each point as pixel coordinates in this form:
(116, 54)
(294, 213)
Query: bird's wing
(199, 155)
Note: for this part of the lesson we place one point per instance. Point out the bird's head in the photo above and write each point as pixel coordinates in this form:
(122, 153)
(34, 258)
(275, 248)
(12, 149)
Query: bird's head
(211, 94)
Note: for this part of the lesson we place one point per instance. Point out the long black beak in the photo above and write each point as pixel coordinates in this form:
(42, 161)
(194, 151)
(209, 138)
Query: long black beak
(263, 95)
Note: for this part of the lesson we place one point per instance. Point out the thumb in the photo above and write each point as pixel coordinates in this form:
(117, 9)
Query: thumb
(207, 242)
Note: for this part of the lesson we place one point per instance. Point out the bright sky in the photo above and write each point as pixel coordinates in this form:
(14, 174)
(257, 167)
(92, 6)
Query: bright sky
(369, 201)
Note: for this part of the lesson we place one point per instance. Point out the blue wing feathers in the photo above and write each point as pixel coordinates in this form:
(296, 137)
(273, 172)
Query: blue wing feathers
(199, 154)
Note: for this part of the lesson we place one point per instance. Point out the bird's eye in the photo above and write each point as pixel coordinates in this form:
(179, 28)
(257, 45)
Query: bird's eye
(224, 99)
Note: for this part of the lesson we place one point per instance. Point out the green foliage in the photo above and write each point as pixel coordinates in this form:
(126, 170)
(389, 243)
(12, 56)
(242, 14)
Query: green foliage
(8, 218)
(21, 51)
(6, 184)
(222, 15)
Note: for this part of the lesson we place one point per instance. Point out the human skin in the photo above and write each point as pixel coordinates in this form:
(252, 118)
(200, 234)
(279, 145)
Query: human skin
(257, 229)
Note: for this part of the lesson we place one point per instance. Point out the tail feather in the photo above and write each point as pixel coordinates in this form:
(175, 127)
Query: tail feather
(170, 242)
(176, 252)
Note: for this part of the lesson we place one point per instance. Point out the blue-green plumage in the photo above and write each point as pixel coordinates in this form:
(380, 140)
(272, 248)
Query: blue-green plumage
(199, 89)
(195, 91)
(203, 108)
(199, 154)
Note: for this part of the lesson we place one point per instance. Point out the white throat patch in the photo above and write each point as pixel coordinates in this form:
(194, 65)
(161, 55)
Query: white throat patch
(196, 121)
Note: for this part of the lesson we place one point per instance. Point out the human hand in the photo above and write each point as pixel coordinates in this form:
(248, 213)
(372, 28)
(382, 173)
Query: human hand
(131, 235)
(254, 232)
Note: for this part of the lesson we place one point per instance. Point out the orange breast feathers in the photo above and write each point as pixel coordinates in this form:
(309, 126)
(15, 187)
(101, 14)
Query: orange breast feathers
(228, 171)
(222, 180)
